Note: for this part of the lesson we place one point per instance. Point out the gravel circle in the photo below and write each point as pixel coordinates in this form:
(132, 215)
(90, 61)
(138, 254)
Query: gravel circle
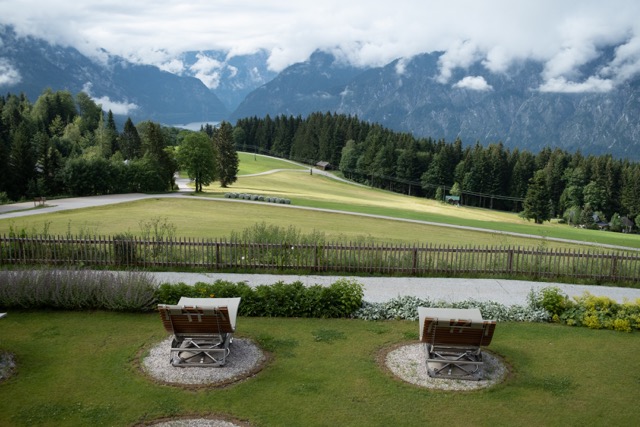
(197, 422)
(408, 362)
(7, 365)
(245, 359)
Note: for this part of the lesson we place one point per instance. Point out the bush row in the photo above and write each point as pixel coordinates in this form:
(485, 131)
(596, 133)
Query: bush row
(588, 310)
(257, 198)
(77, 290)
(546, 305)
(406, 308)
(340, 299)
(138, 291)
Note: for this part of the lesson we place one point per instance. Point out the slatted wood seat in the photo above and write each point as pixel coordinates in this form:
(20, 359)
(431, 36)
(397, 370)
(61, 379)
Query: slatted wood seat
(453, 339)
(202, 334)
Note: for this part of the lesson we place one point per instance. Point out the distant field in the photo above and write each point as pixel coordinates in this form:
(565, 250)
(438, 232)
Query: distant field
(217, 219)
(208, 218)
(250, 164)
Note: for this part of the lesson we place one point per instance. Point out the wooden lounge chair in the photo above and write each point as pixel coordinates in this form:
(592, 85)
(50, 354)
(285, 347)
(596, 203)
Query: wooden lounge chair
(202, 330)
(453, 340)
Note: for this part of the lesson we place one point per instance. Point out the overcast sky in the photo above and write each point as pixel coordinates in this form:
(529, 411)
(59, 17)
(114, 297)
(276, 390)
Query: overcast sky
(562, 33)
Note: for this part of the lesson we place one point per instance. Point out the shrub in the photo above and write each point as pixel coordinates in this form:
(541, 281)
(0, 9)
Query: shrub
(588, 310)
(406, 307)
(77, 290)
(623, 325)
(550, 298)
(341, 299)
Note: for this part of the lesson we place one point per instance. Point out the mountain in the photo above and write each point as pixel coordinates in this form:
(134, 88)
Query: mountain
(142, 92)
(474, 105)
(230, 78)
(405, 95)
(301, 89)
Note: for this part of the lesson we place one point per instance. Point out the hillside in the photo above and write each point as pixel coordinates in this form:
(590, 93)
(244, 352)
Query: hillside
(141, 92)
(406, 96)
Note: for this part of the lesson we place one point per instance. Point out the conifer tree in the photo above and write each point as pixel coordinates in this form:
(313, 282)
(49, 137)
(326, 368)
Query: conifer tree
(227, 156)
(536, 203)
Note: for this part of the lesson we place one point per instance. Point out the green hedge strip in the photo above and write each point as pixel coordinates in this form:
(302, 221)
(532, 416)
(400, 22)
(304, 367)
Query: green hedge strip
(138, 291)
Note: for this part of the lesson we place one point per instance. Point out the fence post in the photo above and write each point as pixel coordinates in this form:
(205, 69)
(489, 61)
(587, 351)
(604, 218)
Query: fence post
(510, 260)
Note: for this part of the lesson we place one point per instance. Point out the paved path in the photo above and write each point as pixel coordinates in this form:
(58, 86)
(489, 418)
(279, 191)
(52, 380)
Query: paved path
(380, 289)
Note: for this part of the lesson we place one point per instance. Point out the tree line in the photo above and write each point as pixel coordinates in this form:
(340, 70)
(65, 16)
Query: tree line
(578, 189)
(65, 145)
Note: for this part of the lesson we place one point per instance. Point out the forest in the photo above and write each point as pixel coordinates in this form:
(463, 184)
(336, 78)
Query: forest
(581, 190)
(65, 145)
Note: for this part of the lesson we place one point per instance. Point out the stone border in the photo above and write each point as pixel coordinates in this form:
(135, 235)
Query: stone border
(407, 362)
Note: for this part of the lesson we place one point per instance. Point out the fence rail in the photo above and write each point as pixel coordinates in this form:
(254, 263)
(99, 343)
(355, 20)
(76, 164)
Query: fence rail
(414, 260)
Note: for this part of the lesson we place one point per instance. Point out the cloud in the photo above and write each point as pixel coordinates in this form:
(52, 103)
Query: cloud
(9, 75)
(474, 83)
(208, 70)
(592, 84)
(174, 66)
(118, 108)
(562, 35)
(401, 66)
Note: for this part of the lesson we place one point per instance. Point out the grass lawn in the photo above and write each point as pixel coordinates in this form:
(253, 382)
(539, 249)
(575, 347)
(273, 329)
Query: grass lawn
(81, 368)
(217, 219)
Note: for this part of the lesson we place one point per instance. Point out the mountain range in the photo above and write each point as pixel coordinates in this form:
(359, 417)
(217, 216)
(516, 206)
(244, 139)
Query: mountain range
(405, 95)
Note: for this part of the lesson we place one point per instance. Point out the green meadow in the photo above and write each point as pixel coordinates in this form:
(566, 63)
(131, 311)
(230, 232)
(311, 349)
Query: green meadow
(210, 215)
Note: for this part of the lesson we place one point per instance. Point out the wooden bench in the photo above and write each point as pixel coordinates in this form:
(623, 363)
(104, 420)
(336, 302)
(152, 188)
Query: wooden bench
(453, 340)
(39, 201)
(202, 334)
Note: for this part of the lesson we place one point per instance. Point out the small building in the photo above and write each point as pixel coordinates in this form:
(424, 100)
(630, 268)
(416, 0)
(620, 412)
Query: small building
(324, 166)
(627, 224)
(602, 225)
(452, 200)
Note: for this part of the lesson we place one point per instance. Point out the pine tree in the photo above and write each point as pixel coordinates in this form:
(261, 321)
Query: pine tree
(227, 156)
(130, 144)
(536, 203)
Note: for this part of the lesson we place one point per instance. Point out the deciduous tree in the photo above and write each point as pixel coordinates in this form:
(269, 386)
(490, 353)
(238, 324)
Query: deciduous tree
(196, 156)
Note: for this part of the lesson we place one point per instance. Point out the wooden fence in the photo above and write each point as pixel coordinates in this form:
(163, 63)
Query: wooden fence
(305, 258)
